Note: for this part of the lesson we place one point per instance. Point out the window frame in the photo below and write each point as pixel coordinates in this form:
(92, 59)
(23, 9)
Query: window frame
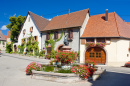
(70, 34)
(48, 36)
(56, 34)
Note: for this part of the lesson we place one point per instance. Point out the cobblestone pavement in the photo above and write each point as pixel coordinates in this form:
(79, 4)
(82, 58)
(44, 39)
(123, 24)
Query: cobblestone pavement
(12, 73)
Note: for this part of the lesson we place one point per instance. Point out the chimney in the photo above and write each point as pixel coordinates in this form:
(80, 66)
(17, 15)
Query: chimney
(106, 16)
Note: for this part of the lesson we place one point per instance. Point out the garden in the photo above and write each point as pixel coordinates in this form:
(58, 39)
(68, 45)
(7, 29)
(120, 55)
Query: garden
(64, 63)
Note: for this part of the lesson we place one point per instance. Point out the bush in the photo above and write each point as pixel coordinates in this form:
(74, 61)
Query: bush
(36, 53)
(49, 68)
(33, 66)
(8, 48)
(41, 53)
(66, 57)
(64, 71)
(82, 71)
(53, 54)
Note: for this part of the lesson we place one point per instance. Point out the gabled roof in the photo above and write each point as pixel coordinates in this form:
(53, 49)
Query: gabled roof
(40, 22)
(74, 19)
(2, 36)
(8, 35)
(114, 27)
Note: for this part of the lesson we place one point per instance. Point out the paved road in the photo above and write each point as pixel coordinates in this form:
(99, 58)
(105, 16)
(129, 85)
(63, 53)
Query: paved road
(12, 73)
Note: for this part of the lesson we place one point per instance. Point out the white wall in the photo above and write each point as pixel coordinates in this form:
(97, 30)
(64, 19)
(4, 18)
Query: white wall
(3, 47)
(116, 52)
(84, 24)
(35, 32)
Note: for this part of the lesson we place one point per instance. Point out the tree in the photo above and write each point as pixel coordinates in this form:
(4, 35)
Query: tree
(15, 26)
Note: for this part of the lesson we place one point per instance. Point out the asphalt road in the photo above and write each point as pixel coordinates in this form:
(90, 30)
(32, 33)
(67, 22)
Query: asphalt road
(12, 73)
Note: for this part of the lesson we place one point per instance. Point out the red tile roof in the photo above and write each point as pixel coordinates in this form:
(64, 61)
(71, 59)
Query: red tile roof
(2, 36)
(74, 19)
(39, 21)
(8, 35)
(5, 37)
(114, 27)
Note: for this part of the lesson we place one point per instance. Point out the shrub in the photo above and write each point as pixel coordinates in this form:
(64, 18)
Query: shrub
(64, 71)
(41, 53)
(53, 54)
(82, 71)
(89, 62)
(66, 57)
(49, 68)
(8, 48)
(32, 66)
(47, 56)
(36, 53)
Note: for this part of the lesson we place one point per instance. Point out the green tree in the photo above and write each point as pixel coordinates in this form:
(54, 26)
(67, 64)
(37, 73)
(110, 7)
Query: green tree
(15, 26)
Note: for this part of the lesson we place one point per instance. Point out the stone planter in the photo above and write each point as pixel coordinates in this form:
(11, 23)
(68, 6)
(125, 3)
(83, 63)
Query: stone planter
(57, 77)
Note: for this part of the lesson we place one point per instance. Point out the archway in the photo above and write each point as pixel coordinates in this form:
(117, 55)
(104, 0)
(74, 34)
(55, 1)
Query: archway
(96, 54)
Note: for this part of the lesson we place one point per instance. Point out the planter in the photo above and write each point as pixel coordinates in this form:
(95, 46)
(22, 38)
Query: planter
(57, 77)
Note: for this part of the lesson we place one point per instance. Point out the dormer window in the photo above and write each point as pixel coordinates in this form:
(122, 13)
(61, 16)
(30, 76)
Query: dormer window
(29, 19)
(24, 31)
(31, 29)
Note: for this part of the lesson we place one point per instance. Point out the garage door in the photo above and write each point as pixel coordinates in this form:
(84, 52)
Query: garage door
(96, 54)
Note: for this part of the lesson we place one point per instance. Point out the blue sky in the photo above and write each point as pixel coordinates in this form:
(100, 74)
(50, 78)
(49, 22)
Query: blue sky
(51, 8)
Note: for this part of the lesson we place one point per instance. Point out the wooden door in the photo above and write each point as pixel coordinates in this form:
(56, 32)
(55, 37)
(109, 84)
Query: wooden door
(96, 54)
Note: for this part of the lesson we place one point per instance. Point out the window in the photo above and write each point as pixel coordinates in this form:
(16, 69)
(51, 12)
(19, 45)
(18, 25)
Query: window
(70, 34)
(98, 55)
(36, 38)
(31, 29)
(102, 40)
(91, 55)
(90, 40)
(24, 31)
(48, 36)
(29, 19)
(56, 35)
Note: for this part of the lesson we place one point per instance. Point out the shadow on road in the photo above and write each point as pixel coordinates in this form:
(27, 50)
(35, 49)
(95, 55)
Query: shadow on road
(113, 79)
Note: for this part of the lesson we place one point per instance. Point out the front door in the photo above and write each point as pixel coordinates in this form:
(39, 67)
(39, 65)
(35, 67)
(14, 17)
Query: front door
(96, 54)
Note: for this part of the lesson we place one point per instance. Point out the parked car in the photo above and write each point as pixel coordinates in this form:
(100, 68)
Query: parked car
(127, 64)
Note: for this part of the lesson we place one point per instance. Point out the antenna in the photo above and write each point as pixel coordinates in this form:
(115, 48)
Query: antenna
(68, 10)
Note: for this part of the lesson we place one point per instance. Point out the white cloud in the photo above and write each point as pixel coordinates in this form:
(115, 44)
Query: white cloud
(14, 14)
(3, 27)
(49, 19)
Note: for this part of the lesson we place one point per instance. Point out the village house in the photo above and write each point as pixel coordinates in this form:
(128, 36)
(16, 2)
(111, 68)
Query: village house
(71, 25)
(103, 38)
(2, 41)
(111, 30)
(32, 26)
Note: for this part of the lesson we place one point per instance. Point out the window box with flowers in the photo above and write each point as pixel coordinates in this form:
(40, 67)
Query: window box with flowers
(92, 44)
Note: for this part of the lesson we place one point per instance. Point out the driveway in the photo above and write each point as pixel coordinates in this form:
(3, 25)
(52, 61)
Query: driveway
(12, 73)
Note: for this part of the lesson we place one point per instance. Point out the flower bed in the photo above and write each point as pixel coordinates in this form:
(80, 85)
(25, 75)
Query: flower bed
(66, 57)
(82, 71)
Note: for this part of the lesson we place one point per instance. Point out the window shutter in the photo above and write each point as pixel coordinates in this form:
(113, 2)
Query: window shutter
(57, 35)
(48, 36)
(36, 38)
(83, 41)
(71, 33)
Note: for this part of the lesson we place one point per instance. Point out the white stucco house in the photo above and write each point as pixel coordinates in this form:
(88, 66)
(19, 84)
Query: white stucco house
(111, 30)
(2, 41)
(33, 25)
